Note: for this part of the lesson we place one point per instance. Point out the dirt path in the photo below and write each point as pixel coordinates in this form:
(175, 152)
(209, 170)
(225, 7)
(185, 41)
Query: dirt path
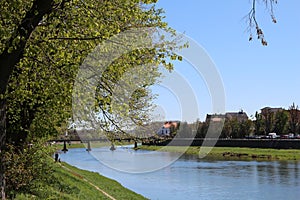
(84, 179)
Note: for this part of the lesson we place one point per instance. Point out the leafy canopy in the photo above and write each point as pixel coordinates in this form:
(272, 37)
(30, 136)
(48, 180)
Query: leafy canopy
(39, 94)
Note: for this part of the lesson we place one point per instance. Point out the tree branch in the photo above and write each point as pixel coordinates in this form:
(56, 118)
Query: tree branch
(14, 51)
(253, 23)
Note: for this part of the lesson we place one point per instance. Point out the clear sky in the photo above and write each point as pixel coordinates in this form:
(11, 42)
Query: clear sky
(254, 76)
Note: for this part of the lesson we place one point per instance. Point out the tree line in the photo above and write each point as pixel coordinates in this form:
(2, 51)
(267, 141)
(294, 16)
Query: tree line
(269, 120)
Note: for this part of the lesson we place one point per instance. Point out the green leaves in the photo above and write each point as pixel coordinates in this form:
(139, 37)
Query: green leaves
(40, 90)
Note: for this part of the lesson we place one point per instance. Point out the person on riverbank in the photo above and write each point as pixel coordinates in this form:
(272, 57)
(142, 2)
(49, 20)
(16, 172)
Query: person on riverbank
(56, 156)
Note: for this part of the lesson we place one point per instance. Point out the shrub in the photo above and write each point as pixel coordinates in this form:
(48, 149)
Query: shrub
(28, 169)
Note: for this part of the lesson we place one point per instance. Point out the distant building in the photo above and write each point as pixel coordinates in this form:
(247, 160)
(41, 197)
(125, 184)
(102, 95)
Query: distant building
(168, 128)
(271, 110)
(269, 113)
(239, 116)
(214, 118)
(164, 131)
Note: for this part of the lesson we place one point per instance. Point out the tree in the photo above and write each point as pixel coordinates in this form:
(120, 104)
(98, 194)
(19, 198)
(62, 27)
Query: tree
(268, 120)
(245, 128)
(42, 45)
(258, 124)
(202, 130)
(16, 32)
(234, 126)
(281, 119)
(294, 118)
(185, 131)
(226, 132)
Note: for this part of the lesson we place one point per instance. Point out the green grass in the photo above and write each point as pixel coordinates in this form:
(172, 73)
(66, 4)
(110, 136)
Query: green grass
(234, 153)
(72, 183)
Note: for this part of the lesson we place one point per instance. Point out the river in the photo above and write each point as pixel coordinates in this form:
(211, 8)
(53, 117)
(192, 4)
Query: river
(191, 178)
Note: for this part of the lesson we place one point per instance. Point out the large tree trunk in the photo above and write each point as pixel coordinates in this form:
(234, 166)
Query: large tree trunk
(9, 59)
(2, 146)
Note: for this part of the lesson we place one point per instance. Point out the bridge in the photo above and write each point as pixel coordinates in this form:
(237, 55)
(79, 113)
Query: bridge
(152, 140)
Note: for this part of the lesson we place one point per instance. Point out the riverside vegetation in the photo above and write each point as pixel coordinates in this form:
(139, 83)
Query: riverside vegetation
(72, 183)
(236, 153)
(33, 174)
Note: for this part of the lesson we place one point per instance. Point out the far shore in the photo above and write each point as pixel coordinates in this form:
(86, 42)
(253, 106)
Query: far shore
(217, 153)
(79, 144)
(233, 153)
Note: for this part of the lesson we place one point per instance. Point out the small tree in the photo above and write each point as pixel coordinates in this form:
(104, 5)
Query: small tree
(185, 130)
(226, 132)
(234, 126)
(258, 124)
(245, 128)
(294, 118)
(202, 130)
(268, 120)
(280, 125)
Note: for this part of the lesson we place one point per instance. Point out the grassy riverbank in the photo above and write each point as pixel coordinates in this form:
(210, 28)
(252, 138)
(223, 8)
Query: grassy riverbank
(234, 153)
(72, 183)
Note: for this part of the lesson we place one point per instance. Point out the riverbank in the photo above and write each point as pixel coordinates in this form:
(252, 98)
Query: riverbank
(73, 183)
(233, 153)
(225, 142)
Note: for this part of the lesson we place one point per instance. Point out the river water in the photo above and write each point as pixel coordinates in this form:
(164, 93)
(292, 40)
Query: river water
(191, 178)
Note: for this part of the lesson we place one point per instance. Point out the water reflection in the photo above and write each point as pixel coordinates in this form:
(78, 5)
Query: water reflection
(284, 172)
(126, 160)
(193, 178)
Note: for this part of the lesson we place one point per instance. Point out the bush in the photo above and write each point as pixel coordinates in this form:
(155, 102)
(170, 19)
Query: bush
(28, 169)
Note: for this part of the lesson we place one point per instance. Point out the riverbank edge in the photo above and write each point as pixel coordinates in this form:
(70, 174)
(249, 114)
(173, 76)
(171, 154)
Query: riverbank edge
(74, 183)
(220, 153)
(233, 153)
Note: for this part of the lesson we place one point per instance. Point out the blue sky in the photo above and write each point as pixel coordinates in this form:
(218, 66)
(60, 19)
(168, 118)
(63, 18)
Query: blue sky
(253, 76)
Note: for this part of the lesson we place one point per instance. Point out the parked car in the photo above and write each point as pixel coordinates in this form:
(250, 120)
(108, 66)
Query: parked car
(284, 136)
(259, 136)
(288, 136)
(272, 135)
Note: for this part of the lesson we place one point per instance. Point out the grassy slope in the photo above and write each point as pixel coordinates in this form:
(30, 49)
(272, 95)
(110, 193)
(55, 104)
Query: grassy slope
(236, 153)
(72, 185)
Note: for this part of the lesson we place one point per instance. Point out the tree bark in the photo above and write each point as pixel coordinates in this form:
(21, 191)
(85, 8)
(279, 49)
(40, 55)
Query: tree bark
(2, 146)
(9, 59)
